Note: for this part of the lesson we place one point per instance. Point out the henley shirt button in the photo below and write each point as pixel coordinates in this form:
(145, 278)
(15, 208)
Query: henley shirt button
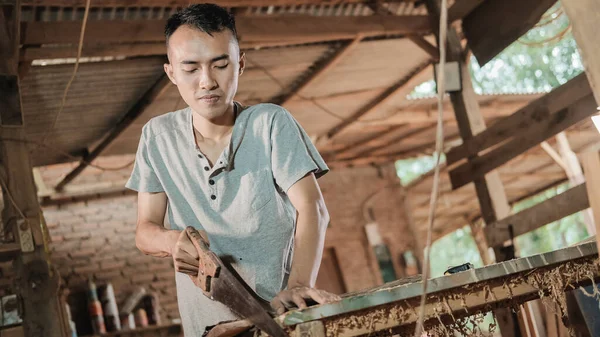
(199, 156)
(212, 182)
(206, 168)
(213, 197)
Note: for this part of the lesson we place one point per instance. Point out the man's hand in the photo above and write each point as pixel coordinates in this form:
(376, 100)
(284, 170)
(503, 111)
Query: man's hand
(296, 298)
(185, 255)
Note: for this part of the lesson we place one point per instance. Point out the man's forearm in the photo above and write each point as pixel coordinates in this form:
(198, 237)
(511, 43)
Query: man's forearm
(153, 239)
(308, 247)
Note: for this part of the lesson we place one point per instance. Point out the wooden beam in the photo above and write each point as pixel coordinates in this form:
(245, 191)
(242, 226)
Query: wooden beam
(496, 24)
(425, 46)
(379, 144)
(181, 3)
(543, 129)
(38, 284)
(562, 205)
(524, 119)
(382, 98)
(369, 140)
(251, 29)
(320, 70)
(490, 191)
(591, 165)
(462, 8)
(554, 155)
(30, 53)
(585, 33)
(157, 89)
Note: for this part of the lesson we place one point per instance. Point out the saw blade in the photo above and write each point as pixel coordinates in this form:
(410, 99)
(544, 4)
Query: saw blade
(227, 289)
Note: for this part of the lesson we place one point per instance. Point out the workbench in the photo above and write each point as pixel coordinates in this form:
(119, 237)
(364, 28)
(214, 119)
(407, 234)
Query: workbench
(393, 308)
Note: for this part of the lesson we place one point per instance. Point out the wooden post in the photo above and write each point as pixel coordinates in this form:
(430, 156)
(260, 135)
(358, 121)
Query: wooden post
(591, 166)
(490, 191)
(37, 283)
(584, 19)
(575, 174)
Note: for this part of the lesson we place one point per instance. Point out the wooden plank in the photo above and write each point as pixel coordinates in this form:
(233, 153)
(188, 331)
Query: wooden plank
(256, 29)
(522, 120)
(30, 53)
(382, 98)
(544, 129)
(496, 24)
(591, 166)
(10, 102)
(584, 23)
(562, 205)
(181, 3)
(320, 70)
(137, 110)
(377, 144)
(471, 290)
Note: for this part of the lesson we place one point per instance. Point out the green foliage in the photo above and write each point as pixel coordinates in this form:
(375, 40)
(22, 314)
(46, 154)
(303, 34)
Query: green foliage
(452, 250)
(542, 59)
(410, 169)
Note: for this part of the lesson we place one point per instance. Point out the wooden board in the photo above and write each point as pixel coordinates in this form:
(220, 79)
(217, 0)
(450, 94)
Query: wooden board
(522, 120)
(591, 165)
(538, 132)
(555, 208)
(257, 29)
(179, 3)
(392, 305)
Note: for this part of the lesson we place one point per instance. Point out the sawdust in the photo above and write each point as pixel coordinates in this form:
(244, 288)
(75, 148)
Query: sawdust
(551, 284)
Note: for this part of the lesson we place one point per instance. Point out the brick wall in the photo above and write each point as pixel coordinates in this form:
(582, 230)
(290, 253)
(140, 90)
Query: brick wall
(94, 236)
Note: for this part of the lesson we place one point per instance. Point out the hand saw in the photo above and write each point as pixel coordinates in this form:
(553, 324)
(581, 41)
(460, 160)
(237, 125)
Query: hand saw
(220, 284)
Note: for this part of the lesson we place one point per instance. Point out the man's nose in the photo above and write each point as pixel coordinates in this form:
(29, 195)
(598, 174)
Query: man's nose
(207, 81)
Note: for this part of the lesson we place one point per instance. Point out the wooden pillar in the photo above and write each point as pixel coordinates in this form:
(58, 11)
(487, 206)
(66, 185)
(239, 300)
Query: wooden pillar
(490, 191)
(37, 283)
(584, 18)
(591, 166)
(575, 175)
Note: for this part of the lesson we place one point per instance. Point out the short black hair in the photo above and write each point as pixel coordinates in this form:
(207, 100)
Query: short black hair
(208, 18)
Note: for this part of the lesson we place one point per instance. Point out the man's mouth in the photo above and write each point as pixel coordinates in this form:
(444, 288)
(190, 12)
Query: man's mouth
(210, 98)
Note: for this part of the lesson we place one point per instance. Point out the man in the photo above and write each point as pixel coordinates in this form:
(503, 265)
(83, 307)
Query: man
(244, 177)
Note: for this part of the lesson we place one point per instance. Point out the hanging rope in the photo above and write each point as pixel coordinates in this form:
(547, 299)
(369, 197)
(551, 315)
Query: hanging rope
(75, 68)
(439, 146)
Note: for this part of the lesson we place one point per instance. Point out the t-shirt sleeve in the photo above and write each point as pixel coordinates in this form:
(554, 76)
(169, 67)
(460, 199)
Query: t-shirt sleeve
(293, 155)
(143, 177)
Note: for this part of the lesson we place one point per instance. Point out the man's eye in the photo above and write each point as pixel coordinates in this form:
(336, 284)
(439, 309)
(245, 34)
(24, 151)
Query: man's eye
(222, 67)
(189, 70)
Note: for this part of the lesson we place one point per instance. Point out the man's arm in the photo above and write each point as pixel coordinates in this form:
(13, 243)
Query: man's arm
(152, 238)
(313, 218)
(311, 225)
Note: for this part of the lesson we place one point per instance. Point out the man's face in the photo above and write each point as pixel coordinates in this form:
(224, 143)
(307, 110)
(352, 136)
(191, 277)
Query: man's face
(205, 69)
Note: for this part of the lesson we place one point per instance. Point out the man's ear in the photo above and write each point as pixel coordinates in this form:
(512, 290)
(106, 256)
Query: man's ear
(169, 71)
(242, 62)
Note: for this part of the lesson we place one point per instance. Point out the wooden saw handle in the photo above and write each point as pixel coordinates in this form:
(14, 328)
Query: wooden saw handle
(208, 262)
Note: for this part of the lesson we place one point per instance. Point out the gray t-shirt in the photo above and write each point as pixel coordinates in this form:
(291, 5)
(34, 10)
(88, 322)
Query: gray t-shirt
(240, 202)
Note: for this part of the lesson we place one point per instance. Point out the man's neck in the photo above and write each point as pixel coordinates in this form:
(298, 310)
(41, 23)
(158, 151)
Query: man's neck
(215, 129)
